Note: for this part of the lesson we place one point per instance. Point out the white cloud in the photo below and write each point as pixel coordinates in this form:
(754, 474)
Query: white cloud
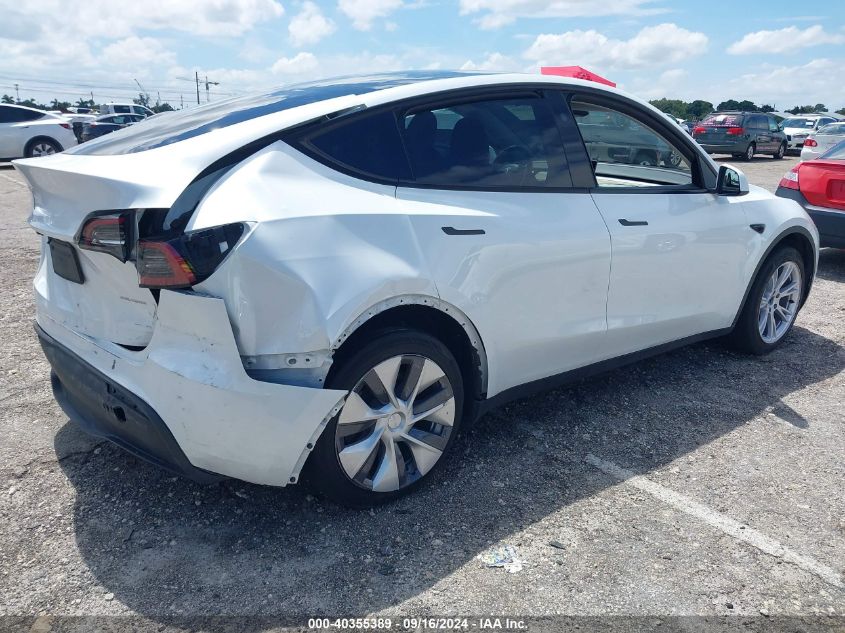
(787, 86)
(497, 13)
(494, 62)
(364, 12)
(654, 45)
(136, 53)
(309, 26)
(299, 63)
(784, 40)
(105, 18)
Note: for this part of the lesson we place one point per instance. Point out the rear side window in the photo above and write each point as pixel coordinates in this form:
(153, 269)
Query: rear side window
(19, 115)
(833, 128)
(837, 152)
(508, 142)
(368, 145)
(119, 109)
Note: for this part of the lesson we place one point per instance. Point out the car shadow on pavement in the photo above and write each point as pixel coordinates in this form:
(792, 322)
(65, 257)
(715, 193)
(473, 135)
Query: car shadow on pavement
(173, 551)
(831, 264)
(758, 158)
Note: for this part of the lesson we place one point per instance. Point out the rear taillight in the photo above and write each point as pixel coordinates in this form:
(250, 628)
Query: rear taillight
(185, 260)
(65, 125)
(810, 142)
(160, 265)
(699, 129)
(734, 131)
(790, 179)
(107, 234)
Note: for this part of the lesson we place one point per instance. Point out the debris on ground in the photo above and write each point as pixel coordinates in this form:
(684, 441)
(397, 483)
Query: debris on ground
(504, 556)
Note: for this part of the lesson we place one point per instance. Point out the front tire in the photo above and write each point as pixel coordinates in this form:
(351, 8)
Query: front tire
(772, 303)
(781, 151)
(401, 417)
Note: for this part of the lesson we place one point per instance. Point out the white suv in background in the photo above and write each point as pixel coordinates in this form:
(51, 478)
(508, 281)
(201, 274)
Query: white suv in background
(125, 108)
(29, 132)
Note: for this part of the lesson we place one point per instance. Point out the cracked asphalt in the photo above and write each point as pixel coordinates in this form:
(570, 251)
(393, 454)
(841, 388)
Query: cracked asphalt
(729, 504)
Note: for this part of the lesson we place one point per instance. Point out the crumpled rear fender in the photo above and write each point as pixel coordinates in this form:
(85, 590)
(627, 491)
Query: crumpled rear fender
(192, 375)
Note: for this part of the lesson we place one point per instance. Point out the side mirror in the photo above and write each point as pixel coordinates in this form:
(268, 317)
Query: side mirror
(731, 182)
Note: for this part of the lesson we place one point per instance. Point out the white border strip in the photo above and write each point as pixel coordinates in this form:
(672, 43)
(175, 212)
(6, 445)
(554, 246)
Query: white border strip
(718, 520)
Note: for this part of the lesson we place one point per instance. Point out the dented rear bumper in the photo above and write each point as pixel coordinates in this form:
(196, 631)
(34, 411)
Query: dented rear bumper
(185, 402)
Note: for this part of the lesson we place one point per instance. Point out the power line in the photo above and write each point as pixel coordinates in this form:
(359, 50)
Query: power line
(79, 85)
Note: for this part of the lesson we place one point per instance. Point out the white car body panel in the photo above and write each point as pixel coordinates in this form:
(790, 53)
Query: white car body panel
(678, 276)
(554, 284)
(544, 260)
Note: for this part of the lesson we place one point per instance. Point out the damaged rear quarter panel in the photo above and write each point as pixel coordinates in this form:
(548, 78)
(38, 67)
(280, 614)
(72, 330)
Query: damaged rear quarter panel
(330, 247)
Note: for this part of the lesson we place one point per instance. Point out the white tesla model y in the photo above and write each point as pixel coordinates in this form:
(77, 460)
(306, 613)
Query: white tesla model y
(327, 281)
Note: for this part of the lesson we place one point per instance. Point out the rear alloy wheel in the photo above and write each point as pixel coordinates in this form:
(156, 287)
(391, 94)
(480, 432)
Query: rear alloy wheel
(399, 419)
(772, 303)
(749, 153)
(42, 147)
(781, 151)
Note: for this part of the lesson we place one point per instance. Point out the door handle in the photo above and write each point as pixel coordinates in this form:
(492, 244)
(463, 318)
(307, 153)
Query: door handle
(625, 222)
(450, 230)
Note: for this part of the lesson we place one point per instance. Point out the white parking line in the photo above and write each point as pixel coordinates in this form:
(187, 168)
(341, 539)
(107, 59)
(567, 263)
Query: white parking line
(718, 520)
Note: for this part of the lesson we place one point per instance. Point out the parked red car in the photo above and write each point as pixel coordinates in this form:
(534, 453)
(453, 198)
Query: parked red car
(819, 186)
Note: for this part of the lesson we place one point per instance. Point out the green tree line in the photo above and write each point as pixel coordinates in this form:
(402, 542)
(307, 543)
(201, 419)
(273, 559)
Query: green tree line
(55, 104)
(698, 109)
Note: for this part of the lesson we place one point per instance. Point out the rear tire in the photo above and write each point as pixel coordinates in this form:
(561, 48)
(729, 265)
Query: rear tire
(749, 152)
(645, 159)
(383, 450)
(772, 304)
(781, 151)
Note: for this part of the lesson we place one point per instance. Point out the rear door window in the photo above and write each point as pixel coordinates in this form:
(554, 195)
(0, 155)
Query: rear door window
(367, 145)
(507, 142)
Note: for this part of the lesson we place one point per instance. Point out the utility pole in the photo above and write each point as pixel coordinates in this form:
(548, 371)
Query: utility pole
(207, 92)
(17, 93)
(197, 75)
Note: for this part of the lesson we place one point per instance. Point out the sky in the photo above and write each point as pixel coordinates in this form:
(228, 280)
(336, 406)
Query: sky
(779, 52)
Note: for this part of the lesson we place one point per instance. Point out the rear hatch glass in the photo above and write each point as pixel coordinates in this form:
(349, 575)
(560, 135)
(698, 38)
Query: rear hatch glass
(714, 127)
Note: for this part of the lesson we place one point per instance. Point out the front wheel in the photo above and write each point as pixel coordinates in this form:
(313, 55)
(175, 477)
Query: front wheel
(781, 151)
(772, 304)
(401, 416)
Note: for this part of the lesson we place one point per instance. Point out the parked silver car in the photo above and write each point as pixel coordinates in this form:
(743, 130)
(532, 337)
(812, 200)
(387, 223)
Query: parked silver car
(818, 143)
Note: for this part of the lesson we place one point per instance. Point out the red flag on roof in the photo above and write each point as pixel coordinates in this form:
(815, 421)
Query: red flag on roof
(577, 72)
